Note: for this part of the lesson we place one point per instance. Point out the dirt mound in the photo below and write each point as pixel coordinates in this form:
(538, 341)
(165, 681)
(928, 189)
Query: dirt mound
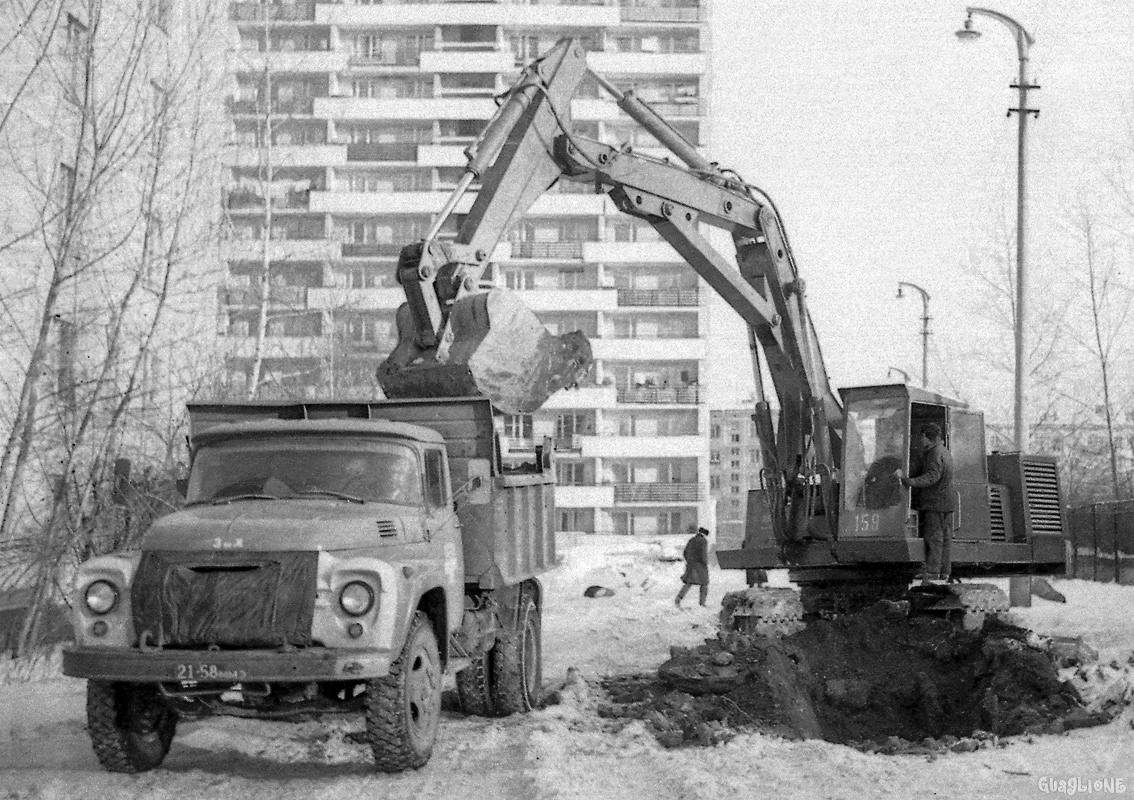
(877, 679)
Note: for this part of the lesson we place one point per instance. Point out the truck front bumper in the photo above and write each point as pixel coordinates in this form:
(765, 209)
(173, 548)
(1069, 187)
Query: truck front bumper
(224, 666)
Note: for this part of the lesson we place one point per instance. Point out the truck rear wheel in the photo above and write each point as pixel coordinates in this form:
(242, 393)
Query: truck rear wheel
(518, 665)
(474, 685)
(130, 727)
(404, 707)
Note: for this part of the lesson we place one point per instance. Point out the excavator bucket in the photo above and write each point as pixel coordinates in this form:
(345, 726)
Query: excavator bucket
(494, 347)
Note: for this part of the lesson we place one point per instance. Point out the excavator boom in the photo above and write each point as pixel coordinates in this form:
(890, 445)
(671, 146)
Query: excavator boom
(455, 338)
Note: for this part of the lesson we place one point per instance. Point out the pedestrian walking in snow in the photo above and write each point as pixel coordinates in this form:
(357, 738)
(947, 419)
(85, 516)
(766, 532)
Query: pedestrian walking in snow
(696, 556)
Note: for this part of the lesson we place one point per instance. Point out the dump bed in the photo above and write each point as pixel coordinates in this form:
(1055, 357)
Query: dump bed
(507, 540)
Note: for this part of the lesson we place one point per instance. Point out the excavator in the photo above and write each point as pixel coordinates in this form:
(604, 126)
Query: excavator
(830, 508)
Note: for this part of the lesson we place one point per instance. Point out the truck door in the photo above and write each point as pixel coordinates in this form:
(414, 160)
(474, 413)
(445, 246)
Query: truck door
(970, 475)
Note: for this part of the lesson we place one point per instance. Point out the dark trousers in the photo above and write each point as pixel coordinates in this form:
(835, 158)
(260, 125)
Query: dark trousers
(937, 530)
(703, 587)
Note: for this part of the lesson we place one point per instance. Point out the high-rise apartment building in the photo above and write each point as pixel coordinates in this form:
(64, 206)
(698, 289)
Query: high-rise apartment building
(735, 461)
(352, 118)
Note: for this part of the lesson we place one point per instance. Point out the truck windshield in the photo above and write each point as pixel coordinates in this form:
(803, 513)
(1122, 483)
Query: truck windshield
(272, 468)
(875, 444)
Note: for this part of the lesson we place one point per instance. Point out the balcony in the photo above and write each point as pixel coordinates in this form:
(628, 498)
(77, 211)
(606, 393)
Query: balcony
(255, 12)
(329, 298)
(448, 61)
(548, 250)
(293, 61)
(658, 297)
(583, 397)
(649, 349)
(641, 445)
(282, 250)
(382, 152)
(584, 496)
(371, 250)
(640, 14)
(246, 201)
(648, 63)
(548, 16)
(302, 105)
(245, 296)
(379, 203)
(685, 395)
(631, 253)
(288, 155)
(413, 108)
(431, 155)
(658, 493)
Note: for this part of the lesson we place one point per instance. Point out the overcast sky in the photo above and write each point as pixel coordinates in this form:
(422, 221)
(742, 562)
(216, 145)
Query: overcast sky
(885, 143)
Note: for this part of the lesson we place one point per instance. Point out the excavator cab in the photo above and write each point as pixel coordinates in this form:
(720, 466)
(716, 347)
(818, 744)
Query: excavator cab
(882, 430)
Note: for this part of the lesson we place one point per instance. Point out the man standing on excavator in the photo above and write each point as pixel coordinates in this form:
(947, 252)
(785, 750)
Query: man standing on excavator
(933, 499)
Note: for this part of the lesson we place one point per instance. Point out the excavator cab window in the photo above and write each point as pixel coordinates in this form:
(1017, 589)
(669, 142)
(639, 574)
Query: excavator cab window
(875, 446)
(877, 440)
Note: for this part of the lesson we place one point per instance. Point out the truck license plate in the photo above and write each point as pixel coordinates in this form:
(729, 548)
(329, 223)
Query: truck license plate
(207, 672)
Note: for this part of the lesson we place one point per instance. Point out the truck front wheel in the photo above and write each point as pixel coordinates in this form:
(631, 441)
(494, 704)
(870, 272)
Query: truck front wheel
(131, 728)
(404, 707)
(518, 664)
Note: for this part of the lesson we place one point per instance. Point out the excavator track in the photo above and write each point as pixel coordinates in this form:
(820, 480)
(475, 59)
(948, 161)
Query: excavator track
(777, 611)
(763, 611)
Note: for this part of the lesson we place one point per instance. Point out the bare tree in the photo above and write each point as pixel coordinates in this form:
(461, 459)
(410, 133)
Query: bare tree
(991, 266)
(1109, 305)
(119, 175)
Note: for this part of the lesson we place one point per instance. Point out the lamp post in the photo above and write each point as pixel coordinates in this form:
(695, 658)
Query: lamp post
(924, 329)
(1023, 41)
(905, 375)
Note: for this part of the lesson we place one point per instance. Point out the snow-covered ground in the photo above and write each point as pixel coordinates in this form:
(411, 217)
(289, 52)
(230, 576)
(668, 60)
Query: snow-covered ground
(565, 751)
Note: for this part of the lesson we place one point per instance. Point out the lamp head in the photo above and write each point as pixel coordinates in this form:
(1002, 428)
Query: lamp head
(900, 295)
(968, 33)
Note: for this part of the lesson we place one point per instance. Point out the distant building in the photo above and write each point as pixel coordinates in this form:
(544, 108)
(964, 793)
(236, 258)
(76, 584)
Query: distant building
(735, 461)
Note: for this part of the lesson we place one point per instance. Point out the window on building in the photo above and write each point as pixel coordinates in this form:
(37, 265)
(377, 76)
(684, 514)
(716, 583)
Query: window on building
(519, 278)
(518, 426)
(735, 437)
(735, 464)
(715, 482)
(734, 490)
(715, 432)
(571, 473)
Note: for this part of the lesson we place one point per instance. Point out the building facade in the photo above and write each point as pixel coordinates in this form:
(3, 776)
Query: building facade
(351, 119)
(735, 461)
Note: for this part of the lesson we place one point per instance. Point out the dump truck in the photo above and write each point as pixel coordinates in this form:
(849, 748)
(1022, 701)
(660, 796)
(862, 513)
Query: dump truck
(330, 557)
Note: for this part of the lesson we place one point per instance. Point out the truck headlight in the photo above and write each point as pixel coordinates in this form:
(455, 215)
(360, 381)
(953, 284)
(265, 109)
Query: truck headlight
(101, 597)
(356, 598)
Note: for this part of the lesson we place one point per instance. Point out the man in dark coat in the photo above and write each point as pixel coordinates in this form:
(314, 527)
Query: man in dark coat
(696, 556)
(933, 499)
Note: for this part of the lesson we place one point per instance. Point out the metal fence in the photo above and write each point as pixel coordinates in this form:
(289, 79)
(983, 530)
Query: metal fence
(1102, 542)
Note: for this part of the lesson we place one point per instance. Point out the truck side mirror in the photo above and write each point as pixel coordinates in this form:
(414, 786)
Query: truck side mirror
(480, 476)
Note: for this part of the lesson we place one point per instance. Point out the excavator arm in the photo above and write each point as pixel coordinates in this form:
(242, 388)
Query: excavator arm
(529, 146)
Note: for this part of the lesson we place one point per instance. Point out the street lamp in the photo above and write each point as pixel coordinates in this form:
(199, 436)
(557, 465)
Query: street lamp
(924, 329)
(1023, 41)
(905, 375)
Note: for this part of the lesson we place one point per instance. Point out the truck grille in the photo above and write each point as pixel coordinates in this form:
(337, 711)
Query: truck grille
(1041, 487)
(227, 600)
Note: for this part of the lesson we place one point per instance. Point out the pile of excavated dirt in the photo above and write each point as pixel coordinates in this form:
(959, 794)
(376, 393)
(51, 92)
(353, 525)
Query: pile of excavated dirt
(877, 679)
